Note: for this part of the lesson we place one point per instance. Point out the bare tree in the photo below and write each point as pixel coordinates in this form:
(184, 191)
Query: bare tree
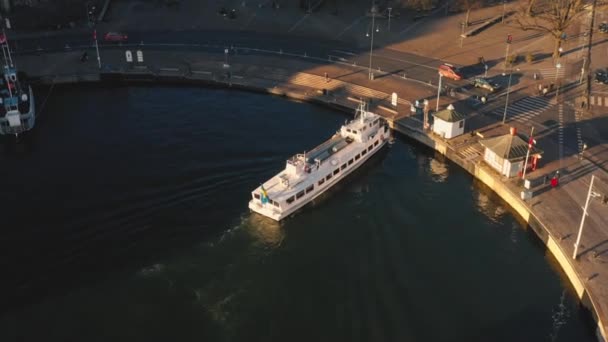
(468, 5)
(529, 6)
(557, 17)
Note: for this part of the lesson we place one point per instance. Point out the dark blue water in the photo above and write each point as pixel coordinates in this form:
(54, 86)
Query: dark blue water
(124, 218)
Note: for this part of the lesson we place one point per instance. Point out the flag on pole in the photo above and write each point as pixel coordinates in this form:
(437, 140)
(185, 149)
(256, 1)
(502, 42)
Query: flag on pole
(264, 195)
(531, 142)
(2, 38)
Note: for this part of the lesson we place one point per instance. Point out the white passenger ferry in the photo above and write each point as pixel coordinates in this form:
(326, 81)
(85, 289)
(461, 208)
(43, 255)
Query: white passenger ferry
(308, 175)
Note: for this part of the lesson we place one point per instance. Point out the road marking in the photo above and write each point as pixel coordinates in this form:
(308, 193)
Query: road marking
(298, 22)
(355, 22)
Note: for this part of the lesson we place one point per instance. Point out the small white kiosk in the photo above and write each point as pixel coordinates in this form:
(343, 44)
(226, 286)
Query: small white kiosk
(507, 154)
(448, 123)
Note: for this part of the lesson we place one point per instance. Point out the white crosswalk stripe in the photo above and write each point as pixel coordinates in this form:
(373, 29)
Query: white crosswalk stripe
(598, 101)
(525, 109)
(549, 73)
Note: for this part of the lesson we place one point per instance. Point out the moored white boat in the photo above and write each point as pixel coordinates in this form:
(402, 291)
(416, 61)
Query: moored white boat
(308, 175)
(17, 107)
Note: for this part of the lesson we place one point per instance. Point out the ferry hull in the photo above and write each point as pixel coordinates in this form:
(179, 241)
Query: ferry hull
(278, 215)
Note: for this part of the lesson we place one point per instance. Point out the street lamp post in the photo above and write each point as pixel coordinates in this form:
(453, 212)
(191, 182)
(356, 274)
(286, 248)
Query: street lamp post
(371, 45)
(389, 18)
(504, 5)
(504, 115)
(580, 229)
(438, 92)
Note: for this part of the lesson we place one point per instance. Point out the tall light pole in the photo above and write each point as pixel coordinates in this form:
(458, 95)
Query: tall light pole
(589, 45)
(371, 45)
(389, 18)
(504, 7)
(438, 92)
(504, 115)
(580, 229)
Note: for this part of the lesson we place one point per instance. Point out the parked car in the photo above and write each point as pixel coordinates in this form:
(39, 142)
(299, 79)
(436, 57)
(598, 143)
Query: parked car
(450, 71)
(481, 82)
(601, 76)
(604, 27)
(115, 37)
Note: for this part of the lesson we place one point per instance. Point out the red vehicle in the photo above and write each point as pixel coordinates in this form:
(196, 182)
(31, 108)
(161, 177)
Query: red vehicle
(450, 71)
(115, 37)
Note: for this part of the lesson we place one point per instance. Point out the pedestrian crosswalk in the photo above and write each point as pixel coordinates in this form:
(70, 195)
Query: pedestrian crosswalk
(550, 73)
(596, 100)
(525, 109)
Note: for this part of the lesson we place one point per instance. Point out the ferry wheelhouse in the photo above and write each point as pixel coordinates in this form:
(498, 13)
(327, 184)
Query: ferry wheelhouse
(310, 174)
(17, 108)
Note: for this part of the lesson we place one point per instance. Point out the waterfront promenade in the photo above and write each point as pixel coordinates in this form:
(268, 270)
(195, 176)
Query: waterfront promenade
(553, 213)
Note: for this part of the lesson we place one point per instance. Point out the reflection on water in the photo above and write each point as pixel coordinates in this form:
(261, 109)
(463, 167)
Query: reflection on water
(487, 205)
(439, 170)
(267, 231)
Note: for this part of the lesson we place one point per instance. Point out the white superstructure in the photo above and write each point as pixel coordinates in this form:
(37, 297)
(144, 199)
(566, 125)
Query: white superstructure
(17, 107)
(308, 175)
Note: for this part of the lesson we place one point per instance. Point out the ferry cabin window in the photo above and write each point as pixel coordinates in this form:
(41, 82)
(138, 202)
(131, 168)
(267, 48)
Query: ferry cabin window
(370, 147)
(310, 188)
(275, 203)
(300, 194)
(321, 181)
(336, 171)
(348, 130)
(343, 166)
(376, 143)
(350, 162)
(290, 200)
(376, 122)
(357, 157)
(328, 177)
(256, 196)
(461, 124)
(355, 131)
(364, 152)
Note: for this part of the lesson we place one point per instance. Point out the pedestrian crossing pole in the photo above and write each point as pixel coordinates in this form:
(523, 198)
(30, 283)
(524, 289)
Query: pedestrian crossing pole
(509, 40)
(504, 115)
(530, 143)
